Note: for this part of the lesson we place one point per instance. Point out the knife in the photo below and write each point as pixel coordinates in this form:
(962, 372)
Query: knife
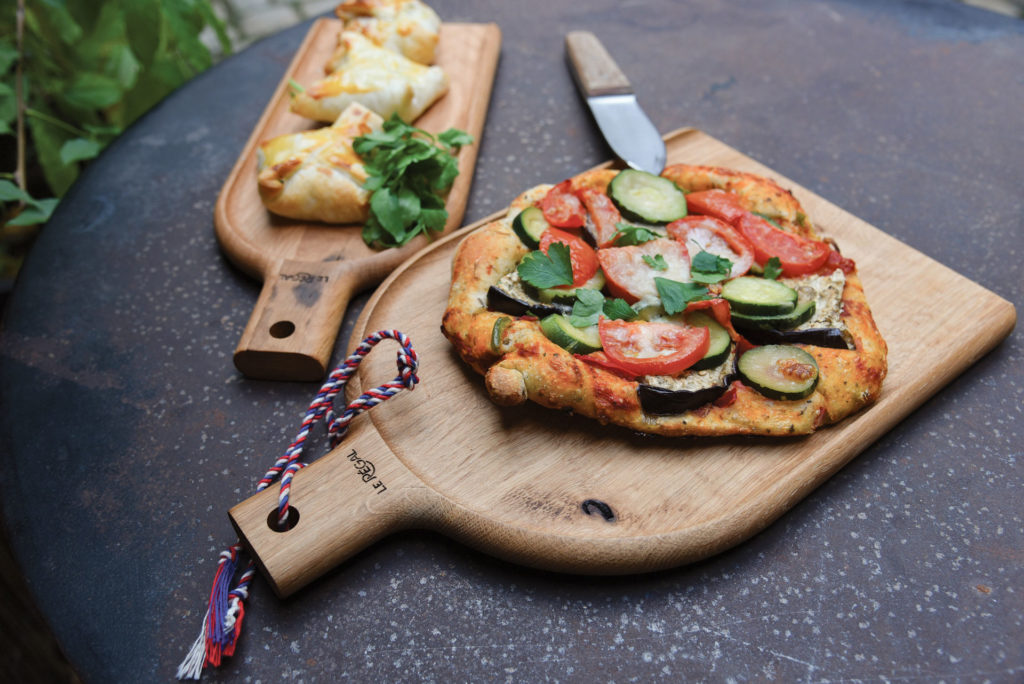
(625, 127)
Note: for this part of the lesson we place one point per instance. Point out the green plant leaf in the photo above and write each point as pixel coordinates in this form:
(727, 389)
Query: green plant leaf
(48, 140)
(32, 215)
(8, 104)
(9, 192)
(123, 66)
(93, 91)
(676, 295)
(79, 149)
(143, 22)
(8, 55)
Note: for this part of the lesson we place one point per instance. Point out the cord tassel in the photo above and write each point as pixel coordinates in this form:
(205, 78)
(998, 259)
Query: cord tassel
(222, 622)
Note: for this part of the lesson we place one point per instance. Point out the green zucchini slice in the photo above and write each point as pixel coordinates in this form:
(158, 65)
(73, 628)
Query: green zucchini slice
(779, 371)
(720, 344)
(759, 296)
(642, 196)
(529, 225)
(559, 330)
(803, 312)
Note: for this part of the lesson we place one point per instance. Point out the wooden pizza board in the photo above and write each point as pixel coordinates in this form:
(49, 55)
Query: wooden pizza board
(310, 270)
(513, 481)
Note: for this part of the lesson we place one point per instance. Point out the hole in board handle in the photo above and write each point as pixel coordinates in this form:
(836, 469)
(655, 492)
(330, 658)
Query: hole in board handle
(291, 519)
(282, 329)
(591, 505)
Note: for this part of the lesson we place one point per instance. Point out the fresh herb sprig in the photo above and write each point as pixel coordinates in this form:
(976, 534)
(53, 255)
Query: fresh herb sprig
(709, 268)
(408, 172)
(676, 295)
(547, 270)
(590, 304)
(627, 234)
(772, 268)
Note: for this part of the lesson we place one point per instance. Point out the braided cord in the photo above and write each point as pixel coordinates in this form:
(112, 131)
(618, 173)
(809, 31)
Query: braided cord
(226, 606)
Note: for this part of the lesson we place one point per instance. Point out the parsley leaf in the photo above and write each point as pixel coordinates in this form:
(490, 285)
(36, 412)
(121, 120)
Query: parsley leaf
(547, 270)
(619, 309)
(627, 234)
(408, 171)
(772, 268)
(709, 268)
(676, 295)
(657, 262)
(588, 307)
(590, 304)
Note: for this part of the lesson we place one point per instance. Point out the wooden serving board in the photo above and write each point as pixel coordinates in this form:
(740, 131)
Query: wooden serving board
(310, 270)
(513, 481)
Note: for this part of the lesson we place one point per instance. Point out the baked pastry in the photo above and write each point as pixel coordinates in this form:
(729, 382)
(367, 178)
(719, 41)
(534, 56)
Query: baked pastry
(375, 77)
(315, 175)
(701, 302)
(408, 27)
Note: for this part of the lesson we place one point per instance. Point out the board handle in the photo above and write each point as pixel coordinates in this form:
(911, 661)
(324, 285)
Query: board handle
(339, 505)
(295, 322)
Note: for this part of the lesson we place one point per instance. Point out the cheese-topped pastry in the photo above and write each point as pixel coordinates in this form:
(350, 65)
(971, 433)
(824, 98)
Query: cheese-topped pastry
(407, 27)
(316, 175)
(379, 79)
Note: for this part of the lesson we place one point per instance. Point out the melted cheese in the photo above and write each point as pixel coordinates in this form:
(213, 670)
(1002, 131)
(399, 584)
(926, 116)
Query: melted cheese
(379, 79)
(407, 27)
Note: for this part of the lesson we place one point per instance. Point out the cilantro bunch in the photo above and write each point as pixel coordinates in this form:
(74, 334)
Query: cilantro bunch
(409, 171)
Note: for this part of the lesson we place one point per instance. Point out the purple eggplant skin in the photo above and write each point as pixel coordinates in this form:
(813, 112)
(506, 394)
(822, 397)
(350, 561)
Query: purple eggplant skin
(816, 337)
(658, 401)
(499, 300)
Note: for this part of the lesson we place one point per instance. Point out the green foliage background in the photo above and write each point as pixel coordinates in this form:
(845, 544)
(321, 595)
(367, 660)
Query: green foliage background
(88, 68)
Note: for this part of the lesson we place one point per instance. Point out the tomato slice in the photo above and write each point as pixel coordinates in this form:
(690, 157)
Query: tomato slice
(836, 260)
(561, 207)
(648, 348)
(581, 255)
(721, 204)
(715, 236)
(604, 216)
(631, 278)
(797, 255)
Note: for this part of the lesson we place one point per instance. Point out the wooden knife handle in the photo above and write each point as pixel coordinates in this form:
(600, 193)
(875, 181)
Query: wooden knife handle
(341, 503)
(595, 71)
(295, 322)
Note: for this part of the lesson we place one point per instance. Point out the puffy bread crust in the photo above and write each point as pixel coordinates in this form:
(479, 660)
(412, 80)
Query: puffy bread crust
(316, 175)
(379, 79)
(408, 27)
(526, 365)
(758, 193)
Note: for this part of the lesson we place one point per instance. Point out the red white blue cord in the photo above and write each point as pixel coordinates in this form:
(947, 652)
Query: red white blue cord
(222, 623)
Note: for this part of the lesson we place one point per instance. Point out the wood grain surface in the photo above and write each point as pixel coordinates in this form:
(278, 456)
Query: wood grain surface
(514, 481)
(310, 270)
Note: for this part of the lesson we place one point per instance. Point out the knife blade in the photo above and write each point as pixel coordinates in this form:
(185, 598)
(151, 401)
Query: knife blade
(610, 97)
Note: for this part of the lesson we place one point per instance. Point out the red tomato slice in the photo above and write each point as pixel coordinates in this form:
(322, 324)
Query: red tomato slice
(718, 203)
(797, 255)
(836, 260)
(581, 255)
(603, 214)
(631, 278)
(561, 207)
(647, 348)
(715, 236)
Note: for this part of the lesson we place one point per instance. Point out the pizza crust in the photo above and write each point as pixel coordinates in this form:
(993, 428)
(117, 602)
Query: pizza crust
(522, 364)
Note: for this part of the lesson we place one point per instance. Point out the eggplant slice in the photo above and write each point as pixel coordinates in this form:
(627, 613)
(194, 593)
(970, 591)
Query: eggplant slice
(519, 305)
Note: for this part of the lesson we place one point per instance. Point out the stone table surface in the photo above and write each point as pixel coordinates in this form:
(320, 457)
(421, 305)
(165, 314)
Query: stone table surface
(126, 432)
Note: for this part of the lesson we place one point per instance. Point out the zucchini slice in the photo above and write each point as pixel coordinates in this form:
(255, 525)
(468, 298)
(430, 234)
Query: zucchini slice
(567, 293)
(642, 196)
(559, 330)
(529, 225)
(779, 371)
(720, 344)
(803, 312)
(759, 296)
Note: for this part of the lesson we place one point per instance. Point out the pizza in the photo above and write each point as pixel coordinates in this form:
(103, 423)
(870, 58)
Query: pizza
(698, 302)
